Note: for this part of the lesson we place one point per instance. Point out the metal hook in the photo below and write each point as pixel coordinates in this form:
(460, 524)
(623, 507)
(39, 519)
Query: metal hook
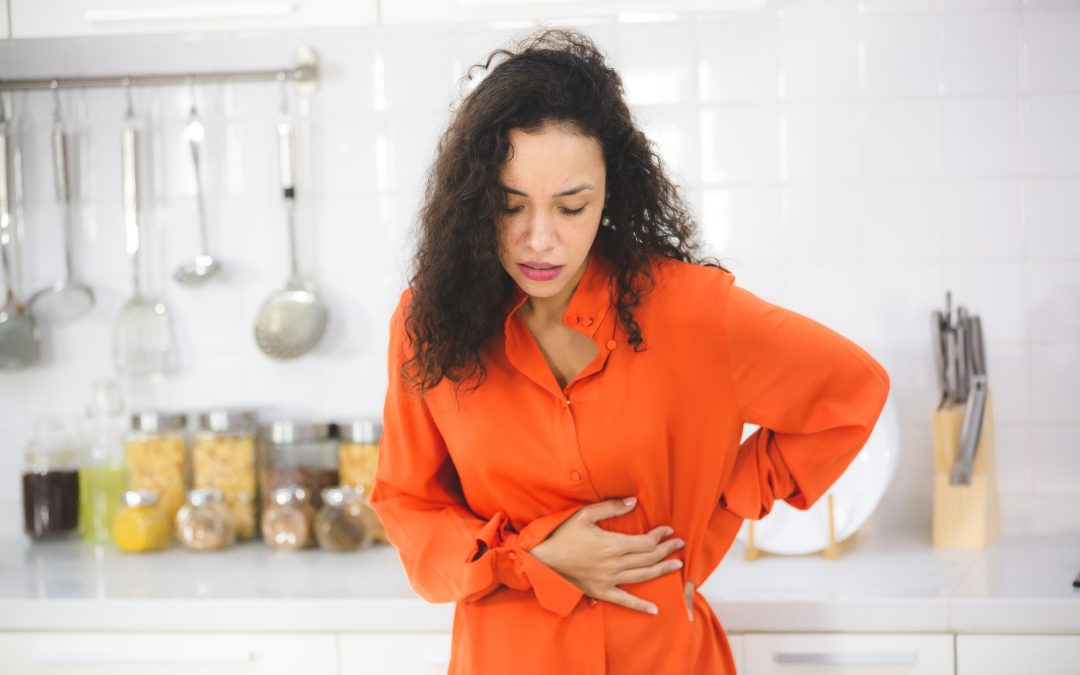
(282, 78)
(191, 88)
(126, 83)
(57, 112)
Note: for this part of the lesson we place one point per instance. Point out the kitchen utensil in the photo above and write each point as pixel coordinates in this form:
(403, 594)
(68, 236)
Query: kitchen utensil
(937, 346)
(963, 383)
(951, 385)
(67, 299)
(978, 347)
(204, 266)
(293, 320)
(20, 338)
(142, 334)
(970, 431)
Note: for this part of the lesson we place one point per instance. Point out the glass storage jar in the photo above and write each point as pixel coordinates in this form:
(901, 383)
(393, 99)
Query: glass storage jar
(205, 522)
(50, 482)
(293, 452)
(342, 524)
(223, 457)
(103, 476)
(156, 458)
(140, 525)
(358, 457)
(289, 520)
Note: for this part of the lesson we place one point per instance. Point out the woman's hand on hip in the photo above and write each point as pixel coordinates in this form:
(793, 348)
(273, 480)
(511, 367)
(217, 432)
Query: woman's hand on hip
(597, 560)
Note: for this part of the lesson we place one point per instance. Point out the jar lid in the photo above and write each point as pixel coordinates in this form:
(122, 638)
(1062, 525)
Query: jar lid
(295, 431)
(340, 494)
(290, 493)
(226, 421)
(134, 498)
(151, 421)
(360, 431)
(200, 496)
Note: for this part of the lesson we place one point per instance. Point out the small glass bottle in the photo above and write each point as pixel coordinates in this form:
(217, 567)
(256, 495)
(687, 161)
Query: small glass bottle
(140, 525)
(342, 524)
(156, 458)
(103, 476)
(50, 482)
(358, 457)
(290, 519)
(223, 457)
(294, 452)
(205, 523)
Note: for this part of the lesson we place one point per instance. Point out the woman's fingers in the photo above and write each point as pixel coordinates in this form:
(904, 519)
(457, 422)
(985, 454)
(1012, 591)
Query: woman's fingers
(632, 560)
(640, 543)
(620, 597)
(639, 574)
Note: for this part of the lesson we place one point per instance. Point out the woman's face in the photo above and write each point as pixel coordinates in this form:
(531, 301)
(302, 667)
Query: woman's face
(555, 190)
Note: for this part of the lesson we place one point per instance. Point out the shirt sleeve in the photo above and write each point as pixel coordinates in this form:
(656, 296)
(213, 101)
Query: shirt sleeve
(814, 393)
(448, 552)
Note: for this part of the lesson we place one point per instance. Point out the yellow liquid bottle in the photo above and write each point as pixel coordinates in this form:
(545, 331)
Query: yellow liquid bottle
(101, 488)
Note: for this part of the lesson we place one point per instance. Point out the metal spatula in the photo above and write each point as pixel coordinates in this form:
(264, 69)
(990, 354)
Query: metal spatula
(143, 333)
(19, 334)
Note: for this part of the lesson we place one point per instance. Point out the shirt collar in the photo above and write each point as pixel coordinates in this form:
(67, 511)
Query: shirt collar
(589, 302)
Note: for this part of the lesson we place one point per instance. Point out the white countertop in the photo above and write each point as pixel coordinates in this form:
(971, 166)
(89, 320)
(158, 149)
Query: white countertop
(892, 582)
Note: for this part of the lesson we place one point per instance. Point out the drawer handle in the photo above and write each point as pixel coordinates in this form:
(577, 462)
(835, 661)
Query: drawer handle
(129, 656)
(840, 658)
(182, 12)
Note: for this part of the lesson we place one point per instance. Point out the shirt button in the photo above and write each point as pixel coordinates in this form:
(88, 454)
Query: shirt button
(575, 475)
(577, 319)
(588, 321)
(593, 602)
(611, 344)
(511, 555)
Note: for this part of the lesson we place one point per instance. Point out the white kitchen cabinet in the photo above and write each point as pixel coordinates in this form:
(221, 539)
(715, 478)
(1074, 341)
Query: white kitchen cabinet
(62, 653)
(4, 27)
(395, 653)
(847, 653)
(437, 11)
(56, 18)
(1011, 654)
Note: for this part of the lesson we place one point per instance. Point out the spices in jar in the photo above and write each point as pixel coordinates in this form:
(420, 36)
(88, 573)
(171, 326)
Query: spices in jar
(205, 523)
(50, 482)
(288, 522)
(140, 525)
(341, 524)
(300, 453)
(358, 457)
(156, 459)
(223, 457)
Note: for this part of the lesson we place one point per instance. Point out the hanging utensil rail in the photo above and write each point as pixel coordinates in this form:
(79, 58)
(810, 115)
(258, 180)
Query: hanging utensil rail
(306, 72)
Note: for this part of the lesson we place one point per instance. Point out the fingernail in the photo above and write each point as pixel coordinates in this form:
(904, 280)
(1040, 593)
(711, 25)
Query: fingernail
(630, 501)
(680, 544)
(668, 531)
(654, 610)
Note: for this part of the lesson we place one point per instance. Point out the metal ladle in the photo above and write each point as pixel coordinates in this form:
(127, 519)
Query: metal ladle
(293, 320)
(20, 338)
(67, 299)
(203, 267)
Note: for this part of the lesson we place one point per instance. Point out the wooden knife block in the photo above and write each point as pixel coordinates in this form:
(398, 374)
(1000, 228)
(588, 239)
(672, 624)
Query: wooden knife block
(965, 516)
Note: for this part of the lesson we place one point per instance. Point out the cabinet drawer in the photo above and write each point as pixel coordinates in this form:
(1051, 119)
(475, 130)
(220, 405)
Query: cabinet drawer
(395, 653)
(159, 653)
(1010, 654)
(847, 653)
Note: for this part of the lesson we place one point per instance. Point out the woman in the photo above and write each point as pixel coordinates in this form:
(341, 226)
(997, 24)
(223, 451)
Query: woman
(559, 349)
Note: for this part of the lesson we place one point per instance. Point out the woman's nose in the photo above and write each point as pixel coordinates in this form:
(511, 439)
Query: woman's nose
(539, 232)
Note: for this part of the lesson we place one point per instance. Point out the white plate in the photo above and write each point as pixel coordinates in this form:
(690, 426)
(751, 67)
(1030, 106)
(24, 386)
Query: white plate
(789, 531)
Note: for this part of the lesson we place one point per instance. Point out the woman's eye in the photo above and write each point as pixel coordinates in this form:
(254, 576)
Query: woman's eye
(514, 209)
(572, 212)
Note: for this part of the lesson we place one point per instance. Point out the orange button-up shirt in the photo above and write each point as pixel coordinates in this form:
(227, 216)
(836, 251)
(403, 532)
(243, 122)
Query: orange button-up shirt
(503, 466)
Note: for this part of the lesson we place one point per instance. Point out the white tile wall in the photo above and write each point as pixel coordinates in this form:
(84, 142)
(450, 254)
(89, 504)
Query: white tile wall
(850, 159)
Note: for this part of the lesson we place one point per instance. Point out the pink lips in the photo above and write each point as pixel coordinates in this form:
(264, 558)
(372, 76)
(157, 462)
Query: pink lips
(548, 272)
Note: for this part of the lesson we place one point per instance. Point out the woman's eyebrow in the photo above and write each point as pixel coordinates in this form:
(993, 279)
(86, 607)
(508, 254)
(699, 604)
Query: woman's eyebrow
(564, 193)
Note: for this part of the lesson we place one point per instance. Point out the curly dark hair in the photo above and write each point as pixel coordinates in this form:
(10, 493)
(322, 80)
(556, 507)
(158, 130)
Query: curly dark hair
(460, 291)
